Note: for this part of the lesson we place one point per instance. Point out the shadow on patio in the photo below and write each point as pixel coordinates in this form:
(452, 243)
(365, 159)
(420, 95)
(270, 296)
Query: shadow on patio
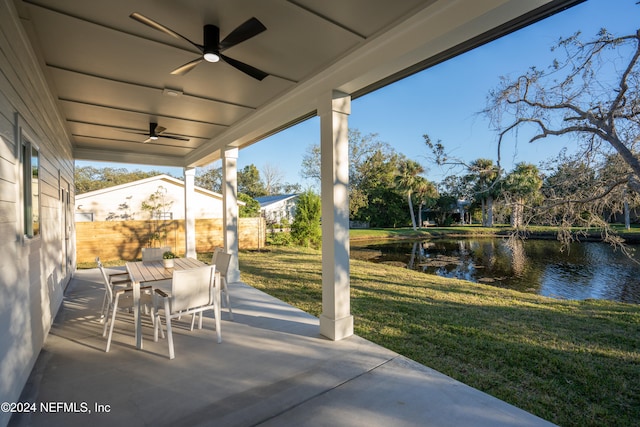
(273, 368)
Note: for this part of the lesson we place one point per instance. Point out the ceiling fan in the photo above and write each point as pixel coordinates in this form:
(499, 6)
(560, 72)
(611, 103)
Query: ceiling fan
(211, 46)
(155, 132)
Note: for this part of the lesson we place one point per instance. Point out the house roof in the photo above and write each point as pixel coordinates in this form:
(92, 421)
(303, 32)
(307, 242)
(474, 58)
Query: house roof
(266, 201)
(163, 178)
(110, 75)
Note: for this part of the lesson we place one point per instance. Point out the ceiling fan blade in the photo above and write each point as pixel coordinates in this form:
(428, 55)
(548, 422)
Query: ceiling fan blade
(146, 140)
(177, 138)
(245, 68)
(153, 24)
(160, 129)
(180, 71)
(245, 31)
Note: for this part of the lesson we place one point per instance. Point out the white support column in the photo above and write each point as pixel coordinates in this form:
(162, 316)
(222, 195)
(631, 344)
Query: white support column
(189, 212)
(336, 321)
(230, 210)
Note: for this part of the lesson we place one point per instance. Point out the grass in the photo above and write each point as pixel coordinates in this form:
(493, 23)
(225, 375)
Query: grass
(409, 233)
(537, 231)
(574, 363)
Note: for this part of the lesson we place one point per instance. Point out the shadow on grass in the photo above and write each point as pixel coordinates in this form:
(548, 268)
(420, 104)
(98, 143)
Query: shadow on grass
(570, 362)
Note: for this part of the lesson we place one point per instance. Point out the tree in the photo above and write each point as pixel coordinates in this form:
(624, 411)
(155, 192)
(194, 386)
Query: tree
(480, 184)
(425, 192)
(157, 205)
(569, 178)
(408, 180)
(374, 197)
(521, 186)
(251, 209)
(484, 174)
(372, 166)
(273, 181)
(288, 188)
(89, 178)
(361, 148)
(592, 94)
(209, 178)
(451, 189)
(272, 176)
(249, 182)
(306, 229)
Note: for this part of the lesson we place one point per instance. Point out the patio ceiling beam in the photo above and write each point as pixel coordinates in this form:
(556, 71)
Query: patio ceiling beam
(149, 87)
(326, 19)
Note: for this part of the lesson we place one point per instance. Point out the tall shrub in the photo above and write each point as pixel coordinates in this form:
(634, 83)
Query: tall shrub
(305, 229)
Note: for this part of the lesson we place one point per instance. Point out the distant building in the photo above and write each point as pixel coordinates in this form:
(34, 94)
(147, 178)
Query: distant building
(276, 208)
(125, 201)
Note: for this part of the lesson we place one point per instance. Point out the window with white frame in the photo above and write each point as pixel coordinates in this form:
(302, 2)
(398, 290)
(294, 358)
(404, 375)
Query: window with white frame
(162, 215)
(31, 188)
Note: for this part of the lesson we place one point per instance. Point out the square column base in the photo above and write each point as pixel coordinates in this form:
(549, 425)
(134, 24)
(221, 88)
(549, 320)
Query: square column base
(336, 329)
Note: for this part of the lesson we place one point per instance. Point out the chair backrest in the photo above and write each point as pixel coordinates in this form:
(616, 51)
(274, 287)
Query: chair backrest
(154, 254)
(192, 287)
(105, 279)
(221, 260)
(216, 251)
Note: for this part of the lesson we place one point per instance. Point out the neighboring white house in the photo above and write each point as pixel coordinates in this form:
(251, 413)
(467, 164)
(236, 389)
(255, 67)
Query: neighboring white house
(276, 208)
(125, 201)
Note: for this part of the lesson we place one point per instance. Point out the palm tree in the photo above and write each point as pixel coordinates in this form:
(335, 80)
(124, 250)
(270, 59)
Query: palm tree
(523, 183)
(485, 174)
(406, 181)
(424, 190)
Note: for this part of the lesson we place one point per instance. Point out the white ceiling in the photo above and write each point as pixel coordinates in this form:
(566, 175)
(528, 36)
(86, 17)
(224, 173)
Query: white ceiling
(111, 74)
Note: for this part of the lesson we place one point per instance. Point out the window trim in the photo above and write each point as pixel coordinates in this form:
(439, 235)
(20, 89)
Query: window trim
(25, 145)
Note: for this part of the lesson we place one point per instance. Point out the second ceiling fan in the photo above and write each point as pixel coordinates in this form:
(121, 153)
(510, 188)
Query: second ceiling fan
(155, 132)
(211, 47)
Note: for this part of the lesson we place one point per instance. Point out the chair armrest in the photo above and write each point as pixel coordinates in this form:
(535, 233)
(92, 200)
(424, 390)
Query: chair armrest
(127, 290)
(162, 293)
(118, 274)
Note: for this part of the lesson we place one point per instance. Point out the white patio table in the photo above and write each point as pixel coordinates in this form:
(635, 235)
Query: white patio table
(151, 271)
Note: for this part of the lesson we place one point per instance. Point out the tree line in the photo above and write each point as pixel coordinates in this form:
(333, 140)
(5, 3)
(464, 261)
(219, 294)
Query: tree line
(590, 92)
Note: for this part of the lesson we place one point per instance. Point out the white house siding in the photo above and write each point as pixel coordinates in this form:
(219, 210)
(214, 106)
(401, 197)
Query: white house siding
(33, 272)
(107, 204)
(276, 208)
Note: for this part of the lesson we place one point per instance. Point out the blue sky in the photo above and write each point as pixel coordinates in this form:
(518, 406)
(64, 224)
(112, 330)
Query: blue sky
(443, 101)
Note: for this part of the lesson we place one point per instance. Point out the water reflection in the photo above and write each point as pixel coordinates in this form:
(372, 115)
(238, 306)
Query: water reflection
(585, 270)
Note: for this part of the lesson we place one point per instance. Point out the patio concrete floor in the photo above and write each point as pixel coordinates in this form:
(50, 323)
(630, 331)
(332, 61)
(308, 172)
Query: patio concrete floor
(273, 368)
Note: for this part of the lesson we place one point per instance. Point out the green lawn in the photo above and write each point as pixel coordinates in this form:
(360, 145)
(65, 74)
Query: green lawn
(572, 363)
(537, 231)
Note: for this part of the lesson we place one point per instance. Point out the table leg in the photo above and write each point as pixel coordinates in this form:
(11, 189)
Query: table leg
(137, 315)
(216, 306)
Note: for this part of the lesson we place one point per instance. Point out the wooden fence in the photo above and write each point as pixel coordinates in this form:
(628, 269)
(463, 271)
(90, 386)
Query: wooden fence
(124, 240)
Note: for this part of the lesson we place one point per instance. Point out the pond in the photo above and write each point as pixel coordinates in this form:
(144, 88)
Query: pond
(584, 270)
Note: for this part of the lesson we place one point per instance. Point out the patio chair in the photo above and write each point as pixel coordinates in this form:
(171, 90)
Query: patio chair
(193, 291)
(154, 254)
(221, 260)
(115, 279)
(122, 299)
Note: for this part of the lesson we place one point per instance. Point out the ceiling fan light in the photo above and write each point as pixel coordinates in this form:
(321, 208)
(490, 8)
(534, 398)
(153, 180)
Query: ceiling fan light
(153, 137)
(211, 57)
